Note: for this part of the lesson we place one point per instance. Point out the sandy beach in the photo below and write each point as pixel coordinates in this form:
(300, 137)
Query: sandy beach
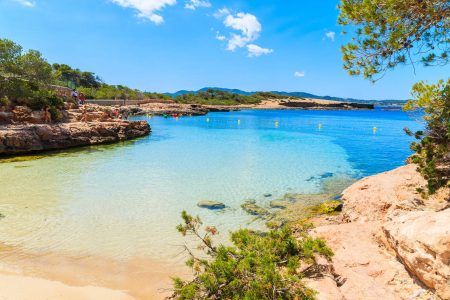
(26, 276)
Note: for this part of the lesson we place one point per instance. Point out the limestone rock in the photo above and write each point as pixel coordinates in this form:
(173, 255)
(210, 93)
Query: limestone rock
(26, 138)
(390, 193)
(421, 241)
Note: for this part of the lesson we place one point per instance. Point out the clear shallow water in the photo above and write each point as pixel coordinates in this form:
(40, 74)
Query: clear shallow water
(124, 200)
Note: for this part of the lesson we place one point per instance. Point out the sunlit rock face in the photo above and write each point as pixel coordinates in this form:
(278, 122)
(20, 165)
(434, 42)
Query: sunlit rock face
(26, 138)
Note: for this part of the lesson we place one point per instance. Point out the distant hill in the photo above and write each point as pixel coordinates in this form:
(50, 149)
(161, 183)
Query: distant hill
(294, 94)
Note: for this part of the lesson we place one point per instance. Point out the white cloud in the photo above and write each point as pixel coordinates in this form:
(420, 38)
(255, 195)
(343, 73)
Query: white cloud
(247, 24)
(331, 35)
(220, 37)
(194, 4)
(300, 74)
(255, 50)
(146, 8)
(247, 29)
(222, 13)
(26, 3)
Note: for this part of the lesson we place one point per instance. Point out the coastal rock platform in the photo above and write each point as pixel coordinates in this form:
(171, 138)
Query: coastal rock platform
(389, 242)
(28, 138)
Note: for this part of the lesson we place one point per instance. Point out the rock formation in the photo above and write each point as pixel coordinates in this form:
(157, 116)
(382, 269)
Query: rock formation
(389, 242)
(27, 138)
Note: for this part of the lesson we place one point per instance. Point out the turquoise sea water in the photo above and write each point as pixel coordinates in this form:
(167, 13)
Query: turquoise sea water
(124, 200)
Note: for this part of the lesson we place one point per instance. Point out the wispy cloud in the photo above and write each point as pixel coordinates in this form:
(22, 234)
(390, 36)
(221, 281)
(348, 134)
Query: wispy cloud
(220, 13)
(330, 35)
(146, 9)
(26, 3)
(220, 37)
(255, 50)
(194, 4)
(299, 74)
(247, 30)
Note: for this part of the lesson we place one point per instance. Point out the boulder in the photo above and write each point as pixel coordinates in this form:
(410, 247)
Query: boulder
(211, 204)
(421, 240)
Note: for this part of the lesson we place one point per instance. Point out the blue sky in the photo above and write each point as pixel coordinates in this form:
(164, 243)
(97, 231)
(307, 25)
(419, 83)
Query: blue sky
(168, 45)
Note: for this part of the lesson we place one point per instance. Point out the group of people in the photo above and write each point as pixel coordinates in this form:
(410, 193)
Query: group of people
(78, 98)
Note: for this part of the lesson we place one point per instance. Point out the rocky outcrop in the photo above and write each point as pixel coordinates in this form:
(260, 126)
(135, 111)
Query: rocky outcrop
(389, 242)
(27, 138)
(421, 241)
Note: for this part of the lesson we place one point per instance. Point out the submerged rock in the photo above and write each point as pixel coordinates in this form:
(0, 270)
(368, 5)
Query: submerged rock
(211, 204)
(252, 208)
(279, 204)
(328, 207)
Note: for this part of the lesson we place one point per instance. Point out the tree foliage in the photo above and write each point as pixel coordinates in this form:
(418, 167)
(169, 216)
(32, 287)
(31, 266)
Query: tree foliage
(24, 77)
(393, 32)
(432, 150)
(259, 265)
(67, 76)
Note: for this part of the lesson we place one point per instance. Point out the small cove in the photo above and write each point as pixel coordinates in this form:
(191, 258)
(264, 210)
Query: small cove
(123, 201)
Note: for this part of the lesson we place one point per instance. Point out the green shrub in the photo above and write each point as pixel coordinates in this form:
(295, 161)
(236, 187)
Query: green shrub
(4, 101)
(432, 150)
(259, 265)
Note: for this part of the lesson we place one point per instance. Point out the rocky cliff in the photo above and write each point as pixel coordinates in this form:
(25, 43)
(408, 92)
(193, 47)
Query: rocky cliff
(389, 242)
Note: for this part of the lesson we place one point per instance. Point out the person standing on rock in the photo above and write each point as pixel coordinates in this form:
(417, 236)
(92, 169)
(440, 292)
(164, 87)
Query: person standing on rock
(75, 96)
(47, 115)
(82, 98)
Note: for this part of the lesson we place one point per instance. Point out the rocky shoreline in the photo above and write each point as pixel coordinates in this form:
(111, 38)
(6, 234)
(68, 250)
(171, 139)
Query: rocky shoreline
(29, 138)
(389, 242)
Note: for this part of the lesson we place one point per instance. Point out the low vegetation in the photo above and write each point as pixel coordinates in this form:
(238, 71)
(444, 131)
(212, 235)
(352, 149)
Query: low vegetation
(217, 97)
(259, 265)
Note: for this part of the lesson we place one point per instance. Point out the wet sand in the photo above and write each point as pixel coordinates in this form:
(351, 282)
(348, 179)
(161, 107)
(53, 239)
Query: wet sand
(59, 276)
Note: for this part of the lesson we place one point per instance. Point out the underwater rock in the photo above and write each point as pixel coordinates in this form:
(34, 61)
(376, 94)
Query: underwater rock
(211, 205)
(320, 177)
(252, 208)
(279, 204)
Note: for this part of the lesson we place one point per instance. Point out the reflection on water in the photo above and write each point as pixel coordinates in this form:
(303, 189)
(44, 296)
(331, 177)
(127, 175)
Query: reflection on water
(123, 201)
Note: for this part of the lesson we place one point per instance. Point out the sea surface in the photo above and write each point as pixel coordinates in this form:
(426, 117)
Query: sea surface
(124, 200)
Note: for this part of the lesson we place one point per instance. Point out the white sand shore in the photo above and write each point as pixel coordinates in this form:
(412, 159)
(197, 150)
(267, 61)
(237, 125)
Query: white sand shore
(14, 287)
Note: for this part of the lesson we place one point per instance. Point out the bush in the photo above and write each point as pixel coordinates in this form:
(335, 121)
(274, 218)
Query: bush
(432, 150)
(4, 101)
(259, 265)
